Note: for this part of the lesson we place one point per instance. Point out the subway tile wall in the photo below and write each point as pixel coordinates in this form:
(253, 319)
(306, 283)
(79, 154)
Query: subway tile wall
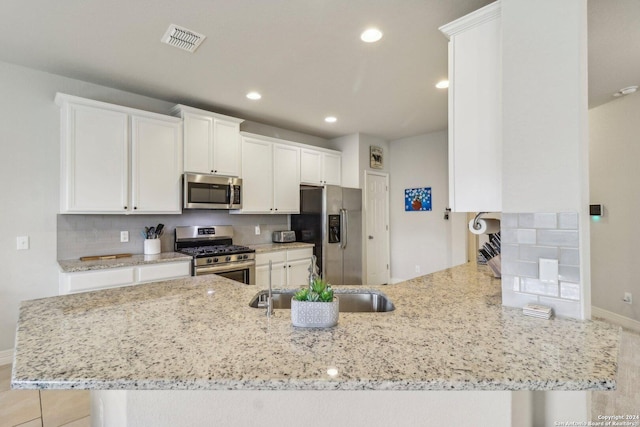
(527, 237)
(80, 235)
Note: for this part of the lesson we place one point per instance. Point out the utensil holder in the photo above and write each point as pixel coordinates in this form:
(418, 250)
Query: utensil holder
(151, 246)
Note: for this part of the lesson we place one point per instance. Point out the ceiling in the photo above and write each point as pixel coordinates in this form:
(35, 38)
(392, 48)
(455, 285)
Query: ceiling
(304, 57)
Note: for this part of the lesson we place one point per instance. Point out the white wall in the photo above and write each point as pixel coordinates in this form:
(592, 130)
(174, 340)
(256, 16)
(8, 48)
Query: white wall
(545, 123)
(350, 147)
(355, 157)
(423, 239)
(544, 104)
(614, 178)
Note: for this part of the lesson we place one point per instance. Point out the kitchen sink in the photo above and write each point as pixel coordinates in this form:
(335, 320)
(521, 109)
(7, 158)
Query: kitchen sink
(350, 301)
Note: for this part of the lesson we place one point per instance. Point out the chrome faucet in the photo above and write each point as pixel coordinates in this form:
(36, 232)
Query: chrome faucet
(270, 295)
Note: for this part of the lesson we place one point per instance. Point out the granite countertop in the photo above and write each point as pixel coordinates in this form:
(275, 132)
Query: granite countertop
(273, 247)
(75, 265)
(449, 331)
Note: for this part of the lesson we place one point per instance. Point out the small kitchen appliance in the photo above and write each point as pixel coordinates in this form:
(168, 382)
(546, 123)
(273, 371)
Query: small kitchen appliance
(213, 252)
(285, 236)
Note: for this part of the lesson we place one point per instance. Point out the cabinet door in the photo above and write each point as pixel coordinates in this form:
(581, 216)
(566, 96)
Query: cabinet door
(95, 160)
(332, 168)
(278, 276)
(198, 137)
(226, 148)
(257, 176)
(310, 167)
(475, 159)
(156, 165)
(286, 182)
(298, 273)
(91, 280)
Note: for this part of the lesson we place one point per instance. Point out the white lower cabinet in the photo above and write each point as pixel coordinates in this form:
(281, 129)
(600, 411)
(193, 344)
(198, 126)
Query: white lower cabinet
(83, 281)
(289, 268)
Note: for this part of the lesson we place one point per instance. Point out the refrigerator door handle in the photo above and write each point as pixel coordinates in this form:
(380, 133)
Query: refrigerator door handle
(344, 227)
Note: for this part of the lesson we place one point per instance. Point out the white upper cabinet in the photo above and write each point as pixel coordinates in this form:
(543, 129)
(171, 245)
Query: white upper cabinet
(156, 165)
(475, 134)
(116, 160)
(270, 176)
(257, 175)
(286, 179)
(320, 167)
(211, 142)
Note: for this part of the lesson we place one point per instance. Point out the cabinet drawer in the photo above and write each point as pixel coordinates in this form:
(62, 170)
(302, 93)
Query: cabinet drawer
(91, 280)
(296, 254)
(170, 270)
(264, 258)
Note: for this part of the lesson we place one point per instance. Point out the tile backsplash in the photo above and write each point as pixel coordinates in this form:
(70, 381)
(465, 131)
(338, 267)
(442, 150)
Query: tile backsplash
(527, 237)
(80, 235)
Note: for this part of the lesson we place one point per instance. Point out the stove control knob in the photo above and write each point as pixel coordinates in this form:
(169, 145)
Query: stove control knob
(209, 261)
(228, 258)
(245, 256)
(215, 259)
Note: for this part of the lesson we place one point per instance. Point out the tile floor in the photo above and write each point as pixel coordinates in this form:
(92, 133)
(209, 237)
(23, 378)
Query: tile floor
(57, 408)
(41, 408)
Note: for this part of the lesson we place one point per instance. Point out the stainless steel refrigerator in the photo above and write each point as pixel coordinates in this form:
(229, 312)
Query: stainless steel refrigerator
(331, 218)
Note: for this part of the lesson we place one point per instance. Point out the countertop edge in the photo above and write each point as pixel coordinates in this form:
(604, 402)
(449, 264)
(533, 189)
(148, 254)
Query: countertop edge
(336, 385)
(75, 265)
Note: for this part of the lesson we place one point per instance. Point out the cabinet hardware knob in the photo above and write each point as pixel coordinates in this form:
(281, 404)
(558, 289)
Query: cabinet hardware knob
(135, 207)
(125, 207)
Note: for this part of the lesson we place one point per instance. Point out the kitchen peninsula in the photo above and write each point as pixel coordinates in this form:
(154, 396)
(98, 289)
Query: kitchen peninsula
(448, 331)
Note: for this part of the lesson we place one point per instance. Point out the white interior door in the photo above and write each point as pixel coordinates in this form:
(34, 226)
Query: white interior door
(377, 228)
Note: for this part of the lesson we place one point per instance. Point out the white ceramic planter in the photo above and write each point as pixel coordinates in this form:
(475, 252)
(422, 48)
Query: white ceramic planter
(307, 314)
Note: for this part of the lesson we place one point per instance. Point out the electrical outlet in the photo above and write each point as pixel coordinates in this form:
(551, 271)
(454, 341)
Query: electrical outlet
(257, 230)
(22, 243)
(124, 236)
(628, 298)
(417, 269)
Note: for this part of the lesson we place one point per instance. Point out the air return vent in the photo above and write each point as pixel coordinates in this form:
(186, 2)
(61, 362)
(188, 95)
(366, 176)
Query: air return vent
(182, 38)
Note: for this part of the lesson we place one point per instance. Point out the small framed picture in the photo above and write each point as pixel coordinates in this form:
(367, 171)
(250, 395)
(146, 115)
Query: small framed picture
(376, 161)
(417, 199)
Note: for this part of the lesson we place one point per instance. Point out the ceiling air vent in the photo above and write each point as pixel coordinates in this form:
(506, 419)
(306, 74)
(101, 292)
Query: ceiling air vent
(182, 38)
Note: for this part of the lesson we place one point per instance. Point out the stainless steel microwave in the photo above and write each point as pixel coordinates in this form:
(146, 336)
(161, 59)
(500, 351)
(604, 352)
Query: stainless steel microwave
(203, 191)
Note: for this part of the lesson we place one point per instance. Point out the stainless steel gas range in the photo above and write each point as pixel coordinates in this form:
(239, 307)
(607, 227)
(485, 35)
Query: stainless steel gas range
(213, 252)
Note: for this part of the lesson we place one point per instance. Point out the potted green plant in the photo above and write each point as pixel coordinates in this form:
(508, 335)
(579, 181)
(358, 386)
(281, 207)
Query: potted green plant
(315, 306)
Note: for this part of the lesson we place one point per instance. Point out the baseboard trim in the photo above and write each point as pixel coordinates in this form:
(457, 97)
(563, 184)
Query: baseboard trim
(6, 356)
(623, 321)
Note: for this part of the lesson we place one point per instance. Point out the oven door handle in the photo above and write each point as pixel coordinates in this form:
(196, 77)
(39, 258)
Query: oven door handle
(226, 267)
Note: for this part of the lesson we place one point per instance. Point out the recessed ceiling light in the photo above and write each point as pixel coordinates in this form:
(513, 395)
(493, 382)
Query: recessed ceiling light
(371, 35)
(442, 84)
(330, 119)
(254, 96)
(626, 91)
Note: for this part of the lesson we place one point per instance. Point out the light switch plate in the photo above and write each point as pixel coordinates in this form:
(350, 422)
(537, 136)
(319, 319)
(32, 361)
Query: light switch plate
(548, 270)
(124, 236)
(22, 243)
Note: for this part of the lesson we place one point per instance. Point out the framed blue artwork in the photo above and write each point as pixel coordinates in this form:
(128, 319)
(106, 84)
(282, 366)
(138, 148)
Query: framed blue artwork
(417, 199)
